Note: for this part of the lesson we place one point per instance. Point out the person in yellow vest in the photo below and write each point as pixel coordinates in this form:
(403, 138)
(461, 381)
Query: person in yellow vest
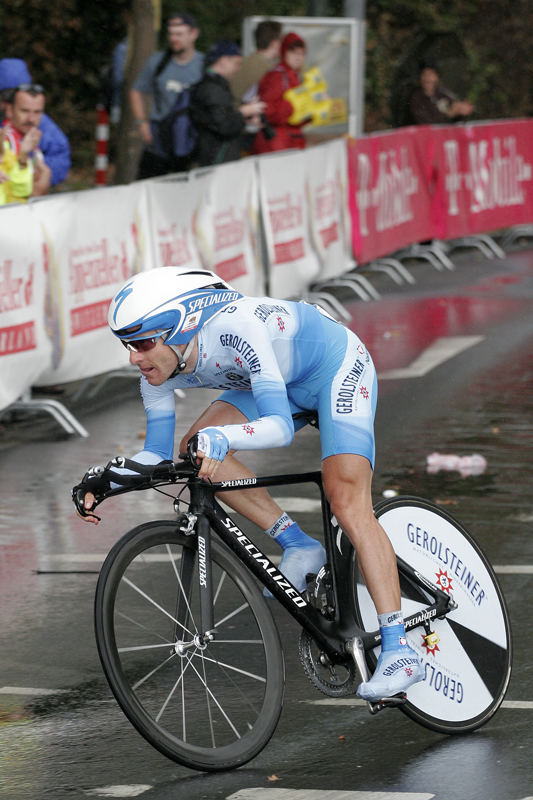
(16, 173)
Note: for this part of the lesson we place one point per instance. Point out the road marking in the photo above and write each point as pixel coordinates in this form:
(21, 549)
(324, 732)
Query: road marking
(119, 791)
(98, 558)
(323, 794)
(29, 691)
(513, 569)
(525, 705)
(437, 353)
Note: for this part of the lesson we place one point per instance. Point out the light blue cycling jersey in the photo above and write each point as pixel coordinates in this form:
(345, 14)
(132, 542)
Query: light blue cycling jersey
(274, 358)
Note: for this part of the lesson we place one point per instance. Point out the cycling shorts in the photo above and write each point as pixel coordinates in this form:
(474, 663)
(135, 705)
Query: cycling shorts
(344, 394)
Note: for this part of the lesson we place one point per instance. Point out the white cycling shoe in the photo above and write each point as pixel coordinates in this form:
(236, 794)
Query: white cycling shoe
(297, 561)
(395, 672)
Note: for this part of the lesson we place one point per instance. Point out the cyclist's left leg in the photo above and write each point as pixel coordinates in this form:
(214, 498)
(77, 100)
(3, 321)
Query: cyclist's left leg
(347, 482)
(346, 415)
(301, 553)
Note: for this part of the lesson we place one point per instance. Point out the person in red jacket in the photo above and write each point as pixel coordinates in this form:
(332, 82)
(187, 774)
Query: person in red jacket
(271, 89)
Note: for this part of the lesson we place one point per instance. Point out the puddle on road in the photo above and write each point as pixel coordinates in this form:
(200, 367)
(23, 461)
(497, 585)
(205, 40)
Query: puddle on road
(493, 419)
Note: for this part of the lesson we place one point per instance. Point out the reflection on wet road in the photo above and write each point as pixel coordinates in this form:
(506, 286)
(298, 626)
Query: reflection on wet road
(74, 742)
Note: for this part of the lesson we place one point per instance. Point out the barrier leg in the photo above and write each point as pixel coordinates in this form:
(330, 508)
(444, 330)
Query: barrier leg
(517, 232)
(57, 410)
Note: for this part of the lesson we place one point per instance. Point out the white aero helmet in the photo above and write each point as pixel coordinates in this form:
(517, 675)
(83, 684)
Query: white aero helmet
(174, 300)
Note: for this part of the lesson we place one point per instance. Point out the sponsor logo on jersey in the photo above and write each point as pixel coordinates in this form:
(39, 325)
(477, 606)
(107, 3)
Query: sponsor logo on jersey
(345, 396)
(242, 348)
(263, 311)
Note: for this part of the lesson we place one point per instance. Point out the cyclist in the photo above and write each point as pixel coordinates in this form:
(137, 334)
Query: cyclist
(187, 328)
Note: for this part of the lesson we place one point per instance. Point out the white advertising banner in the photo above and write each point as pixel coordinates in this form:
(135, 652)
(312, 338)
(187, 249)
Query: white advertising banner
(26, 302)
(328, 207)
(92, 242)
(172, 207)
(284, 190)
(227, 225)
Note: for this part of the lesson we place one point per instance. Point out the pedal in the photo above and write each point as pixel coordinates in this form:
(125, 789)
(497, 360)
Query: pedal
(387, 702)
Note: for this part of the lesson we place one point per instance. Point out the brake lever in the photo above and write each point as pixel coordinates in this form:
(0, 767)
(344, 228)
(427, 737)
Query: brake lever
(192, 452)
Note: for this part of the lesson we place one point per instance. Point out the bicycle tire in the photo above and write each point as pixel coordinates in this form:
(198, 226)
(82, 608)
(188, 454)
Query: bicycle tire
(467, 672)
(212, 706)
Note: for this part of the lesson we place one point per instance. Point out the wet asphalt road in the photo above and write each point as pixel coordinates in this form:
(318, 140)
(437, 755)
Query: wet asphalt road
(61, 733)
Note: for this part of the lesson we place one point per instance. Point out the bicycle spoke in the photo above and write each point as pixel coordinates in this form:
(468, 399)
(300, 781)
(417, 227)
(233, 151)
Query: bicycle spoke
(169, 696)
(153, 602)
(230, 723)
(134, 648)
(143, 627)
(231, 615)
(153, 672)
(219, 587)
(222, 665)
(183, 592)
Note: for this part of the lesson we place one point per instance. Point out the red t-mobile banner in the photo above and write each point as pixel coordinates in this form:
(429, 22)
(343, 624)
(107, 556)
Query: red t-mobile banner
(483, 177)
(389, 192)
(439, 182)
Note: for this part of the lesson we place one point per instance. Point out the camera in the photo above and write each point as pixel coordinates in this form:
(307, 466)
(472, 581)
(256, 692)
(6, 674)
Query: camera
(268, 130)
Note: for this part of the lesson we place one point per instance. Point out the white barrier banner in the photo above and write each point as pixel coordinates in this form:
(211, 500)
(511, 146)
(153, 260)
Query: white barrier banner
(92, 241)
(26, 303)
(284, 191)
(172, 206)
(227, 225)
(330, 223)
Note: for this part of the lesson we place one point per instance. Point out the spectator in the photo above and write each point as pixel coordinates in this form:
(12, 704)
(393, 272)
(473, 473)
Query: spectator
(167, 78)
(432, 104)
(267, 37)
(24, 108)
(16, 175)
(219, 125)
(272, 88)
(53, 144)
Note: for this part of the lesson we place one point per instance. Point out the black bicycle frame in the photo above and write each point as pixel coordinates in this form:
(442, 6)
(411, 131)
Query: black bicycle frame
(331, 634)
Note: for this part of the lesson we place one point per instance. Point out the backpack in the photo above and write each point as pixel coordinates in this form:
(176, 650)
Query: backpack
(176, 133)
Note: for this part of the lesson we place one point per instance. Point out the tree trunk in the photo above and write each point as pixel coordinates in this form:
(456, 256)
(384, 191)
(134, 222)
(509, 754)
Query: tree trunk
(142, 36)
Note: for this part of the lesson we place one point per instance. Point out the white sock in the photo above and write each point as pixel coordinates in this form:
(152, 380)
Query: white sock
(280, 525)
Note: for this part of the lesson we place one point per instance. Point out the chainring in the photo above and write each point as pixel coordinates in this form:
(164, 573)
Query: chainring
(333, 679)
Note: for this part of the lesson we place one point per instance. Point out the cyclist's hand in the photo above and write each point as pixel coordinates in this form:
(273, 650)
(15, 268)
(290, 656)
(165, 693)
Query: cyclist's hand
(212, 447)
(88, 503)
(89, 492)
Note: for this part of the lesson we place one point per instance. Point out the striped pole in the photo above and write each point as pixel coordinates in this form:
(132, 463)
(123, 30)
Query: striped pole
(102, 138)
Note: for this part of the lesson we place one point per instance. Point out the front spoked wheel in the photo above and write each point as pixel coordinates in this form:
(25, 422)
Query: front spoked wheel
(467, 655)
(208, 703)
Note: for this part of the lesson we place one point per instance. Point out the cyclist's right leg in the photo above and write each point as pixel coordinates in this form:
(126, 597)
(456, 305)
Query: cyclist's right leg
(301, 553)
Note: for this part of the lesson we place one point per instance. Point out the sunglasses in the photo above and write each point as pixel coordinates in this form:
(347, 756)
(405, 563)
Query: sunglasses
(142, 345)
(34, 88)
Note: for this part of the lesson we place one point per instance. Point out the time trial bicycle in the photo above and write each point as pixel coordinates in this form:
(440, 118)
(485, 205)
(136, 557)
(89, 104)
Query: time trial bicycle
(190, 649)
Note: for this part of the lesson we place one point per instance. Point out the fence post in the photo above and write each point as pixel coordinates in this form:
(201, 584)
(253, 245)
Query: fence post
(102, 138)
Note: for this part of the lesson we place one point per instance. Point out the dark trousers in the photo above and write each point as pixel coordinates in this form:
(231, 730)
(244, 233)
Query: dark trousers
(152, 165)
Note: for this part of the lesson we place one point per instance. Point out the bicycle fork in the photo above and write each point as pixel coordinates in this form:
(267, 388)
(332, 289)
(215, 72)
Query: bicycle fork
(197, 635)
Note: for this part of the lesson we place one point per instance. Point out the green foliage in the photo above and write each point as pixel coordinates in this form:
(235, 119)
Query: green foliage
(65, 44)
(483, 48)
